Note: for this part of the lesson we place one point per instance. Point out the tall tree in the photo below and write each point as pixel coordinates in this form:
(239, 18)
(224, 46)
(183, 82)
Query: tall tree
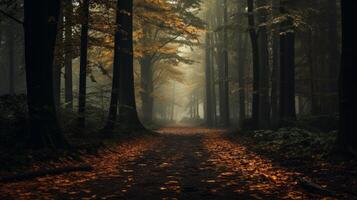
(116, 74)
(11, 56)
(255, 55)
(40, 25)
(241, 64)
(58, 60)
(275, 65)
(128, 116)
(334, 58)
(83, 64)
(209, 113)
(264, 103)
(225, 98)
(68, 53)
(348, 84)
(287, 69)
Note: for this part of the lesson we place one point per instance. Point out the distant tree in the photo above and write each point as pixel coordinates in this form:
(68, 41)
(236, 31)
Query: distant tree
(163, 27)
(83, 64)
(255, 56)
(225, 116)
(208, 78)
(275, 65)
(68, 52)
(40, 24)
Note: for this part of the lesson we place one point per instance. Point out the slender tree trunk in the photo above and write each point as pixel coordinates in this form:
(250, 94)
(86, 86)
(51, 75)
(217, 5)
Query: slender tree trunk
(348, 84)
(1, 34)
(225, 114)
(241, 55)
(276, 67)
(213, 81)
(314, 105)
(241, 78)
(255, 55)
(264, 103)
(172, 113)
(147, 87)
(127, 106)
(40, 25)
(58, 61)
(209, 113)
(334, 59)
(287, 71)
(68, 54)
(11, 45)
(83, 64)
(116, 74)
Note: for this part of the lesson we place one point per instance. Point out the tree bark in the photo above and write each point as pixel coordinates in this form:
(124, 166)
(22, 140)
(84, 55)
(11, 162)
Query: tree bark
(11, 45)
(264, 103)
(242, 78)
(58, 61)
(209, 113)
(287, 70)
(255, 55)
(334, 59)
(225, 115)
(348, 84)
(275, 67)
(113, 109)
(83, 65)
(40, 25)
(68, 54)
(127, 107)
(213, 80)
(147, 88)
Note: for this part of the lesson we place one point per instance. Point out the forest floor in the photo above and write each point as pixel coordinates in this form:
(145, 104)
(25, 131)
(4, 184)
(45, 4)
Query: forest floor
(192, 163)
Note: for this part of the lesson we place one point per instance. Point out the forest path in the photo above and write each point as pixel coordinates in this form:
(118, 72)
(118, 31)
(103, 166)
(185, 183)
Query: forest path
(180, 163)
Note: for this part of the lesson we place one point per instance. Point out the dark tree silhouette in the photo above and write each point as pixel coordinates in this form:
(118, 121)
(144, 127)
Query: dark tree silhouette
(255, 55)
(68, 53)
(113, 109)
(83, 64)
(41, 17)
(287, 69)
(348, 83)
(128, 116)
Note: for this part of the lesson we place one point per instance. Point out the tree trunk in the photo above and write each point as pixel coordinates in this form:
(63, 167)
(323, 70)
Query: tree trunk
(40, 25)
(172, 114)
(242, 78)
(275, 68)
(68, 54)
(127, 107)
(11, 45)
(58, 61)
(255, 55)
(287, 71)
(113, 109)
(264, 103)
(147, 88)
(334, 59)
(209, 113)
(213, 80)
(83, 64)
(225, 115)
(348, 84)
